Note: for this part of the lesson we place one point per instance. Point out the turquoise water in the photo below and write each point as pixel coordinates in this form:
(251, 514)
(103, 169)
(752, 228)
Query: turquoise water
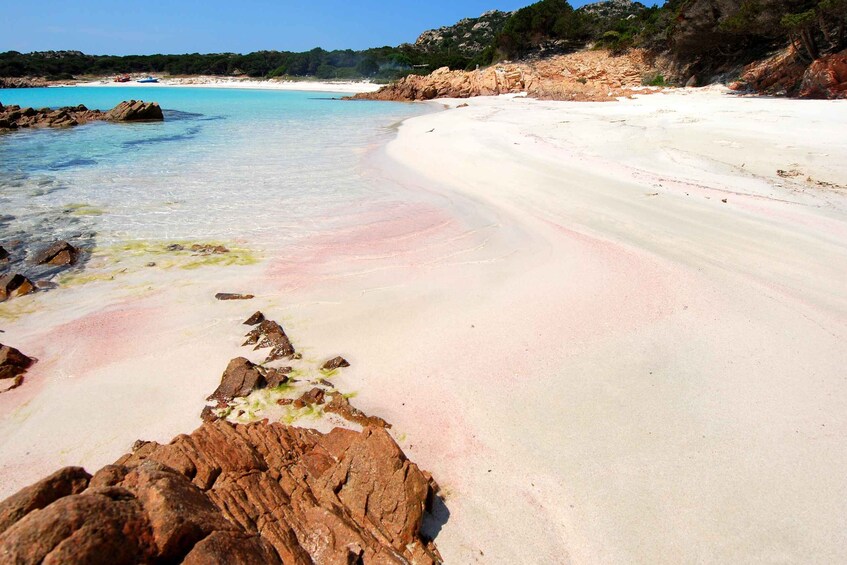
(255, 165)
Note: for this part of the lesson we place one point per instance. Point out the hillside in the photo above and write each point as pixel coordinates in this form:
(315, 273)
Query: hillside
(469, 37)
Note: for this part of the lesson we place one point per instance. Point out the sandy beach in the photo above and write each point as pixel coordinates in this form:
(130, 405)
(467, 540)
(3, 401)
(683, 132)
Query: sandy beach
(613, 332)
(347, 87)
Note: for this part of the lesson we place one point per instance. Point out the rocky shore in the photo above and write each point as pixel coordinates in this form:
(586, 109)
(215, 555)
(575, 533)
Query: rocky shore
(14, 117)
(258, 492)
(596, 76)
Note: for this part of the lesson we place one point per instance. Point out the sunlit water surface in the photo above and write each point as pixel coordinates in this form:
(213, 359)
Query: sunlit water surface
(265, 167)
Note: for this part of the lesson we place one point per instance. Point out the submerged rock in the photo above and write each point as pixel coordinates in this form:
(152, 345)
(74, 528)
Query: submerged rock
(4, 255)
(260, 493)
(58, 253)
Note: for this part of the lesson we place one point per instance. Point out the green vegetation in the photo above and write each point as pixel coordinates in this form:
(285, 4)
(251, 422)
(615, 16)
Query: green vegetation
(688, 29)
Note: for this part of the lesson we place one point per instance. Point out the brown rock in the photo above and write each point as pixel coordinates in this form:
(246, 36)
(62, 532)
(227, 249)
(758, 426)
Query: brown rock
(240, 378)
(135, 111)
(58, 253)
(64, 482)
(262, 493)
(255, 319)
(13, 285)
(335, 363)
(826, 77)
(314, 396)
(13, 362)
(232, 296)
(270, 334)
(207, 249)
(341, 406)
(208, 414)
(277, 377)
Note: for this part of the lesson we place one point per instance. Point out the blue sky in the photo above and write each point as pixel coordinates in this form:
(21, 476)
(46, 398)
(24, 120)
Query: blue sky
(214, 26)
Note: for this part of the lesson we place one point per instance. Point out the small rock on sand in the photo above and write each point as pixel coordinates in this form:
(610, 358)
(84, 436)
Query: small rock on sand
(255, 319)
(233, 296)
(335, 363)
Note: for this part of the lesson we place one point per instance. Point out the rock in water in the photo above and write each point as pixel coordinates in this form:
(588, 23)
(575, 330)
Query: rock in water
(13, 362)
(4, 255)
(58, 253)
(13, 285)
(335, 363)
(135, 111)
(240, 378)
(261, 493)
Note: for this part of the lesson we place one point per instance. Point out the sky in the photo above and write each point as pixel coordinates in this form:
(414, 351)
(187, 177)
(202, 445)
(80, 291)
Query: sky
(106, 27)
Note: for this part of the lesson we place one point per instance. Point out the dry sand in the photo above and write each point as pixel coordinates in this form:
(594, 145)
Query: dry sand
(598, 359)
(347, 87)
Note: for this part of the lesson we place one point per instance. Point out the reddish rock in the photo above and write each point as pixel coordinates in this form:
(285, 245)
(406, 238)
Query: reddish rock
(58, 253)
(135, 111)
(207, 249)
(233, 296)
(277, 377)
(270, 334)
(826, 77)
(314, 396)
(335, 363)
(240, 378)
(13, 285)
(12, 362)
(62, 483)
(341, 406)
(262, 493)
(255, 319)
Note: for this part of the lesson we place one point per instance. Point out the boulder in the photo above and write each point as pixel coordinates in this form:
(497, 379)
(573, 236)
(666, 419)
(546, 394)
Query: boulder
(826, 77)
(335, 363)
(277, 377)
(12, 362)
(260, 493)
(13, 285)
(135, 111)
(240, 378)
(58, 253)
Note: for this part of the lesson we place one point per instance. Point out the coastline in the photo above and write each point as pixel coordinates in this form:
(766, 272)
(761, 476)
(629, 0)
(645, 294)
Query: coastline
(347, 87)
(560, 316)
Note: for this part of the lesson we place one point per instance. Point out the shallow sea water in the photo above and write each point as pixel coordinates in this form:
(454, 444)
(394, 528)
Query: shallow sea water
(261, 167)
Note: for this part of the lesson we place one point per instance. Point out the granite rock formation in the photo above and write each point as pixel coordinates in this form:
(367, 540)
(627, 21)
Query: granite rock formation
(587, 75)
(258, 493)
(14, 117)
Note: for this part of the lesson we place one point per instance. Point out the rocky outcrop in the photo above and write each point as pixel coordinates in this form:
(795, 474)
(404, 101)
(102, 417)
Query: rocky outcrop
(240, 378)
(467, 37)
(135, 111)
(826, 77)
(13, 285)
(270, 334)
(13, 365)
(259, 493)
(12, 362)
(587, 75)
(15, 117)
(254, 320)
(22, 82)
(59, 253)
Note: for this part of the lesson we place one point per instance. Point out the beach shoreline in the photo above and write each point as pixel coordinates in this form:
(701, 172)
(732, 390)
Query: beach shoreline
(613, 330)
(347, 87)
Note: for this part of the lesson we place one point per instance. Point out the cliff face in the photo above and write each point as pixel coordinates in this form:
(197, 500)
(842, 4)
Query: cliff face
(587, 75)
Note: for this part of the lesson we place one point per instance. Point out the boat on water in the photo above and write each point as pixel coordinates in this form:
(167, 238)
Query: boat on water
(148, 80)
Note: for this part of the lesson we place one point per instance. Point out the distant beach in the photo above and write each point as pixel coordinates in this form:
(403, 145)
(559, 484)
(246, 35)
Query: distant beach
(347, 87)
